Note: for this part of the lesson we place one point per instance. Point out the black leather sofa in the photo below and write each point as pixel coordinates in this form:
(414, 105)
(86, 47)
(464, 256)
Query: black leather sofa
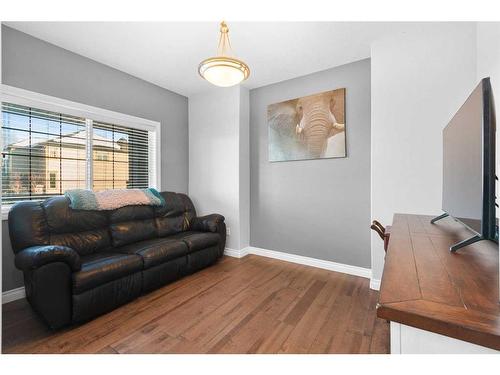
(80, 264)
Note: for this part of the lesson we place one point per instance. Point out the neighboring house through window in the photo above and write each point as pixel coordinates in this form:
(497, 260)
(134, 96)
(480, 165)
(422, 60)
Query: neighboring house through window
(46, 152)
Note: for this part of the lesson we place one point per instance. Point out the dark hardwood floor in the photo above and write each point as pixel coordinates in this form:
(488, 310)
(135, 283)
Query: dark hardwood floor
(249, 305)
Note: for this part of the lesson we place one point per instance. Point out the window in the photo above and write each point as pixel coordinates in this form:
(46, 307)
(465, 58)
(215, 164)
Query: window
(31, 141)
(52, 180)
(120, 157)
(47, 152)
(102, 156)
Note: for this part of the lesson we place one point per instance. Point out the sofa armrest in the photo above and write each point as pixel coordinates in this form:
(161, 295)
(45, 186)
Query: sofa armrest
(37, 256)
(208, 223)
(212, 223)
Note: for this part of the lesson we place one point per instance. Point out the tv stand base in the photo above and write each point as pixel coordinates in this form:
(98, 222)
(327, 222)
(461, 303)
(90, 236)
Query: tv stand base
(466, 242)
(439, 218)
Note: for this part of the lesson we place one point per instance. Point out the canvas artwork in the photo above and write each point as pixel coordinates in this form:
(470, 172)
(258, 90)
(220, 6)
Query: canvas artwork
(310, 127)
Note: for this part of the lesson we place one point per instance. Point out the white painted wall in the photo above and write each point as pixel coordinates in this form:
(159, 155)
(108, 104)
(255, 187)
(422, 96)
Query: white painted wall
(488, 55)
(218, 138)
(419, 80)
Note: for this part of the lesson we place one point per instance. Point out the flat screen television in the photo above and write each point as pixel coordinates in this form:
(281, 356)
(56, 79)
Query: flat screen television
(469, 166)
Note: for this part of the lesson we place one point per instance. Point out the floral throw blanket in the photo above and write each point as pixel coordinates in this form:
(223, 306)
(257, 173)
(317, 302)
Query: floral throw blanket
(81, 199)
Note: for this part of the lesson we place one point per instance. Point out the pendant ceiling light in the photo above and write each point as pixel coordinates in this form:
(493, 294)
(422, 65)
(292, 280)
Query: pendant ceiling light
(224, 70)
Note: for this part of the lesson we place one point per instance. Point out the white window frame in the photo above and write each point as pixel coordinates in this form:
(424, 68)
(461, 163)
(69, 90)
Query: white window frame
(15, 95)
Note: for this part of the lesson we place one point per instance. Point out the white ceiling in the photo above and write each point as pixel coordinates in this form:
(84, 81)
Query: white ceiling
(168, 53)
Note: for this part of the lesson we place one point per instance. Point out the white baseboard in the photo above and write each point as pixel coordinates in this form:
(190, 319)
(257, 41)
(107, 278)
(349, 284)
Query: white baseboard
(13, 294)
(375, 284)
(299, 259)
(236, 253)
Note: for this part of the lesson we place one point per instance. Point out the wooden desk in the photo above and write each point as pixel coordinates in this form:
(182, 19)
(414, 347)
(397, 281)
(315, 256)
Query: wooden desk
(427, 287)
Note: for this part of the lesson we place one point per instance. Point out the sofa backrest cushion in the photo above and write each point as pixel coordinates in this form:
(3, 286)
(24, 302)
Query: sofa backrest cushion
(131, 224)
(27, 225)
(53, 222)
(84, 231)
(176, 215)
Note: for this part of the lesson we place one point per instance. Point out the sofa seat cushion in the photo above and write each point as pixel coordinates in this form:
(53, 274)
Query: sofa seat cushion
(100, 268)
(196, 241)
(156, 251)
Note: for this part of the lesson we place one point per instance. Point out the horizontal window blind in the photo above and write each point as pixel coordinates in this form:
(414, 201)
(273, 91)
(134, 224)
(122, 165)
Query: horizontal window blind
(46, 153)
(121, 157)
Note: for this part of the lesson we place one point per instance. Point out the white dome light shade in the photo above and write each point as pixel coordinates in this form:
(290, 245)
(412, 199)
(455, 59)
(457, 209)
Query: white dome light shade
(223, 71)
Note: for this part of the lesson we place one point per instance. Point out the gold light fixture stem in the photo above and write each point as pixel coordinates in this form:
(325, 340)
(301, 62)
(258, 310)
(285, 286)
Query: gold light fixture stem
(224, 43)
(224, 70)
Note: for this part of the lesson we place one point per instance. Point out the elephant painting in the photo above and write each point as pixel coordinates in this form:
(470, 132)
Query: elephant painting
(310, 127)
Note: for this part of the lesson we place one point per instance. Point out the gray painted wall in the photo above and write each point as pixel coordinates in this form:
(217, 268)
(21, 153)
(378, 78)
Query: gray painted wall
(35, 65)
(11, 277)
(314, 208)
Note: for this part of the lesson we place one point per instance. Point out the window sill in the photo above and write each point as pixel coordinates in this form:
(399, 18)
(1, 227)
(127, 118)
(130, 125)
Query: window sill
(5, 212)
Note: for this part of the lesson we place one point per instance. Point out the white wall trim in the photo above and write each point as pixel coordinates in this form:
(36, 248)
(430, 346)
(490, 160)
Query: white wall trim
(374, 284)
(313, 262)
(236, 253)
(13, 295)
(52, 103)
(299, 259)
